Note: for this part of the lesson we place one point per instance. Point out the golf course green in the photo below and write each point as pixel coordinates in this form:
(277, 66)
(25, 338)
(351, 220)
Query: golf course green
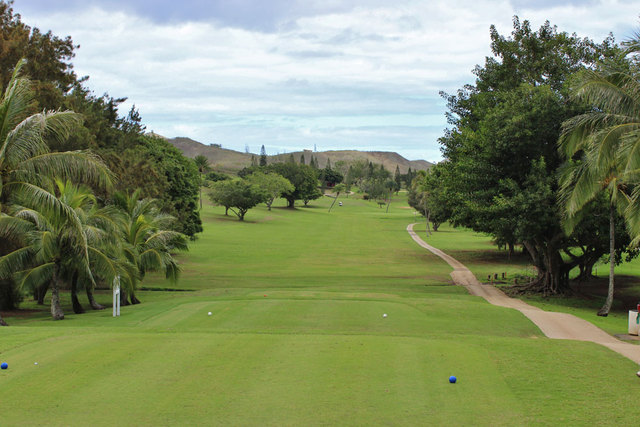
(297, 336)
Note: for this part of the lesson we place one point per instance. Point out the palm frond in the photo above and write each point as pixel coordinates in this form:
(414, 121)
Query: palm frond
(35, 277)
(14, 229)
(60, 124)
(150, 260)
(80, 166)
(103, 266)
(34, 217)
(25, 141)
(16, 104)
(615, 93)
(167, 239)
(15, 261)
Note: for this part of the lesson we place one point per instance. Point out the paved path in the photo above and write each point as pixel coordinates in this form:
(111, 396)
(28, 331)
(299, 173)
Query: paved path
(553, 325)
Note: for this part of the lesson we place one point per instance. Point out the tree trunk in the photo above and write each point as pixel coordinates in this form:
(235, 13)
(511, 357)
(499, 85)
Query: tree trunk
(56, 309)
(334, 202)
(42, 292)
(586, 267)
(553, 272)
(75, 302)
(389, 203)
(123, 298)
(604, 311)
(2, 322)
(92, 301)
(511, 250)
(291, 203)
(201, 182)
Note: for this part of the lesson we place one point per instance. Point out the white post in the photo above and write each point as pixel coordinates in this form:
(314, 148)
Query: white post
(116, 296)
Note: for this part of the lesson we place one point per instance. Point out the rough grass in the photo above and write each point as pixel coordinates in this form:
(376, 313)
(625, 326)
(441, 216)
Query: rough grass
(297, 337)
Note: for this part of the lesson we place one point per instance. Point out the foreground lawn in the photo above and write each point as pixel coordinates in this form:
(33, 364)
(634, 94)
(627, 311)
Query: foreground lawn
(297, 336)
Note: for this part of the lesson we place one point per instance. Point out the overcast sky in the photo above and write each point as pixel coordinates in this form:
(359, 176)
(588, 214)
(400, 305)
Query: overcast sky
(337, 74)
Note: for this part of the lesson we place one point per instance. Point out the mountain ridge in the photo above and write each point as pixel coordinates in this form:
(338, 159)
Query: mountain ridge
(228, 160)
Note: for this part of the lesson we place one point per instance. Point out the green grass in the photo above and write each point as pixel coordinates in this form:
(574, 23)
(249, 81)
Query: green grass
(476, 251)
(297, 337)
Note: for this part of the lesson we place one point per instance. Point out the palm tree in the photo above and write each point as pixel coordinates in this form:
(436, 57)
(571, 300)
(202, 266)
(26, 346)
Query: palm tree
(61, 249)
(26, 164)
(12, 235)
(148, 242)
(602, 146)
(53, 244)
(581, 181)
(100, 228)
(203, 166)
(339, 188)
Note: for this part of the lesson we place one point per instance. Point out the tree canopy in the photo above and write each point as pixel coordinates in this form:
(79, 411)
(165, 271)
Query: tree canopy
(501, 151)
(274, 185)
(238, 195)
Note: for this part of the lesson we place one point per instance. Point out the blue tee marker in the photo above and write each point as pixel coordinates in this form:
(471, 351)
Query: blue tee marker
(4, 365)
(452, 379)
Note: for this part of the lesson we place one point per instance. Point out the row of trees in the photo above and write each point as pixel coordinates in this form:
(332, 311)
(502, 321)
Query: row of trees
(263, 184)
(78, 182)
(297, 181)
(54, 232)
(504, 172)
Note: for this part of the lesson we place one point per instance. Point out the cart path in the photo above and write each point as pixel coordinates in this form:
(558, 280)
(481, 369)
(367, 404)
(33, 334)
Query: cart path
(552, 324)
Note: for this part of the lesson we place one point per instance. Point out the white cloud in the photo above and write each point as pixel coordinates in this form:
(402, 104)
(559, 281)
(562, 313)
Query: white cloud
(356, 77)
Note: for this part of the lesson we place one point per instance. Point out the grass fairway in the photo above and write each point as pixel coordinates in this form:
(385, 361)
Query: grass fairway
(297, 337)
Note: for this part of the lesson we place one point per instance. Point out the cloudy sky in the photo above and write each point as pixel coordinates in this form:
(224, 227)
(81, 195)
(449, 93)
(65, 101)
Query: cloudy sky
(294, 74)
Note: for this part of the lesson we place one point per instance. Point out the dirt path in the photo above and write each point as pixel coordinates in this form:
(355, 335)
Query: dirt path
(553, 325)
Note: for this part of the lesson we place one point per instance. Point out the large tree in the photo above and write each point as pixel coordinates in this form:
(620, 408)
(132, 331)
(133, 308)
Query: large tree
(238, 195)
(502, 147)
(429, 194)
(303, 178)
(274, 185)
(48, 58)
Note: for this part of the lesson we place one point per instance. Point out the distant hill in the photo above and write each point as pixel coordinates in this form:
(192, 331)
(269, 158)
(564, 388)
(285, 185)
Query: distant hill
(221, 159)
(232, 161)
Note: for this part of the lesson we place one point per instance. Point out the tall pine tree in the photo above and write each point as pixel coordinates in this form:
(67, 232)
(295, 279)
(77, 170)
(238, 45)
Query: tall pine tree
(263, 156)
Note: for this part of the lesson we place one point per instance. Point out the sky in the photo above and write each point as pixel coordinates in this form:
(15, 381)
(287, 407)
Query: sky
(300, 74)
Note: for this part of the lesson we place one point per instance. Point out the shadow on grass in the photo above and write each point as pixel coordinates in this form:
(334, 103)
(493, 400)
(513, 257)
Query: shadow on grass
(233, 218)
(626, 297)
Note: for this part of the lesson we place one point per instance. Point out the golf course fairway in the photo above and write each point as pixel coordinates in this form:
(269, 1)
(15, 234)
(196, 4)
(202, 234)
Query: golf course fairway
(297, 336)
